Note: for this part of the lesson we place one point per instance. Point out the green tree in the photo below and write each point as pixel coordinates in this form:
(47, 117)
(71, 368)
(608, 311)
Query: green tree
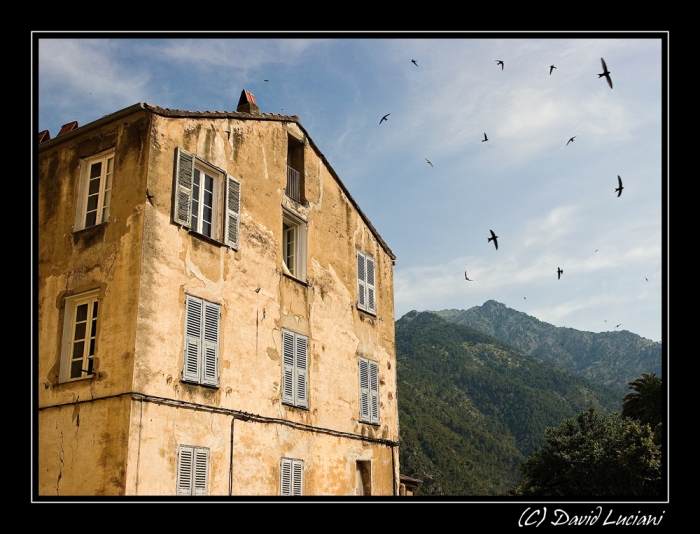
(594, 454)
(645, 403)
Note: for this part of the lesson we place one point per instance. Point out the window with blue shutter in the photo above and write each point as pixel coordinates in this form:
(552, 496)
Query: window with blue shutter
(294, 369)
(201, 353)
(192, 470)
(369, 391)
(366, 290)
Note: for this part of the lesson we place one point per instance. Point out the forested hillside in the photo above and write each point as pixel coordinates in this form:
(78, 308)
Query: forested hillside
(471, 407)
(610, 358)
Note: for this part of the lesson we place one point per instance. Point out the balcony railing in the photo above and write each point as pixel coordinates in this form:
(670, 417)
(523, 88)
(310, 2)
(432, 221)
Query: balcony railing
(293, 184)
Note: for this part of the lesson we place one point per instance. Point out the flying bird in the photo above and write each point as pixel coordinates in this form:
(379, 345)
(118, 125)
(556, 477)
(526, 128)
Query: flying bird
(618, 325)
(620, 188)
(384, 118)
(426, 159)
(266, 80)
(494, 238)
(499, 62)
(465, 277)
(645, 278)
(551, 68)
(485, 138)
(605, 73)
(571, 140)
(414, 62)
(559, 272)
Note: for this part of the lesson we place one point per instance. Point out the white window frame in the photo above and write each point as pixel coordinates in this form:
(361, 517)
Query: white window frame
(291, 477)
(366, 283)
(102, 194)
(70, 345)
(192, 470)
(201, 346)
(225, 203)
(295, 364)
(294, 229)
(369, 391)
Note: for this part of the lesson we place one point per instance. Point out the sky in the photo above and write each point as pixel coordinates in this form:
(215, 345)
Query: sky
(552, 203)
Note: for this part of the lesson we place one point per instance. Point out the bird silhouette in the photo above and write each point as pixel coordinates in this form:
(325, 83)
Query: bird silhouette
(494, 238)
(266, 80)
(149, 197)
(559, 273)
(551, 68)
(426, 159)
(620, 188)
(645, 278)
(384, 118)
(414, 62)
(605, 73)
(499, 62)
(465, 277)
(571, 140)
(618, 325)
(485, 138)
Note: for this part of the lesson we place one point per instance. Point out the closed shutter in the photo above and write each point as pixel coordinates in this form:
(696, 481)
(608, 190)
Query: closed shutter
(201, 468)
(201, 359)
(183, 190)
(210, 367)
(291, 476)
(361, 281)
(371, 304)
(287, 367)
(233, 211)
(301, 393)
(364, 391)
(374, 391)
(193, 339)
(286, 477)
(184, 470)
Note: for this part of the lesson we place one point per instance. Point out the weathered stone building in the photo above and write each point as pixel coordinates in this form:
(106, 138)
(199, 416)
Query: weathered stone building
(216, 313)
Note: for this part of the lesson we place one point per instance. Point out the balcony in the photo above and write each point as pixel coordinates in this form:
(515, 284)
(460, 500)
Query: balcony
(293, 189)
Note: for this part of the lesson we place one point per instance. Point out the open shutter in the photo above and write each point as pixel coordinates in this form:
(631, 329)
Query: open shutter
(297, 472)
(183, 189)
(371, 304)
(286, 477)
(301, 393)
(193, 339)
(287, 367)
(364, 390)
(184, 470)
(233, 211)
(210, 354)
(201, 468)
(361, 281)
(374, 391)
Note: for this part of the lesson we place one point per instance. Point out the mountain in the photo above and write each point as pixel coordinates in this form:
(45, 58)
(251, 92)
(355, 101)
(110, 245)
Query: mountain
(471, 407)
(609, 358)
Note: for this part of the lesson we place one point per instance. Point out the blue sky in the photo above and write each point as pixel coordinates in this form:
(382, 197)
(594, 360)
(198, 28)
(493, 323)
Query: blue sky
(551, 204)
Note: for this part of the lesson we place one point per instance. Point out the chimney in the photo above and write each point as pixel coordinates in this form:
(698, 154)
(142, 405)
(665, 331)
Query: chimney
(44, 136)
(68, 128)
(246, 103)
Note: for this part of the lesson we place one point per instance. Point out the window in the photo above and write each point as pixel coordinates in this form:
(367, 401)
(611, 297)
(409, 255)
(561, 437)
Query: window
(291, 472)
(192, 470)
(79, 336)
(95, 190)
(199, 205)
(294, 383)
(365, 283)
(369, 391)
(201, 360)
(363, 477)
(295, 168)
(294, 245)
